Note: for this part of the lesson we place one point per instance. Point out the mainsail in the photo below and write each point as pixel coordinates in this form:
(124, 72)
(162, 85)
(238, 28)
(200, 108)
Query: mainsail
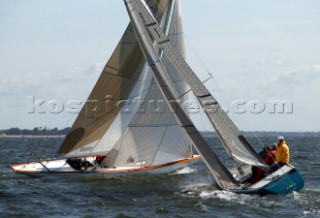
(234, 142)
(153, 136)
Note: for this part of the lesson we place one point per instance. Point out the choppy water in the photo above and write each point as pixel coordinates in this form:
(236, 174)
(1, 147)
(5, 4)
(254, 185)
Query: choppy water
(188, 192)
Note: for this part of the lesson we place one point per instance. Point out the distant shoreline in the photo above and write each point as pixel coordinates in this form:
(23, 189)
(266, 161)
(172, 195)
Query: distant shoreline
(31, 136)
(205, 134)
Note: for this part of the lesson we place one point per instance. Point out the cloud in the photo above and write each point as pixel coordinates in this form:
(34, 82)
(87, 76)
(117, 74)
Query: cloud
(68, 82)
(302, 82)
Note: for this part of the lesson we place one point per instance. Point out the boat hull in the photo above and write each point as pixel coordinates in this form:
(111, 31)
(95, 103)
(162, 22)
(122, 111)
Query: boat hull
(61, 166)
(283, 181)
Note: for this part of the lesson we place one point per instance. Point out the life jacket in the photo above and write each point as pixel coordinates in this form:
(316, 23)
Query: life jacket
(270, 158)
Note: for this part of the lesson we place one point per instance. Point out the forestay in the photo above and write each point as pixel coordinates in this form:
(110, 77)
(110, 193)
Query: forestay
(235, 144)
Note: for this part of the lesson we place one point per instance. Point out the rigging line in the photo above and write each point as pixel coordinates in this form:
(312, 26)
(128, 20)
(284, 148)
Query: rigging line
(218, 87)
(31, 155)
(168, 63)
(112, 22)
(107, 32)
(197, 55)
(207, 70)
(256, 136)
(43, 155)
(164, 133)
(183, 94)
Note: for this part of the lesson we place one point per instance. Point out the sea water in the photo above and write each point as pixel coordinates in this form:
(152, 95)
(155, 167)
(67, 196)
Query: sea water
(187, 192)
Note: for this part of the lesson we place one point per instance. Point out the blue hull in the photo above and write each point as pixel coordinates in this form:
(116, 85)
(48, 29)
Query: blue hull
(289, 182)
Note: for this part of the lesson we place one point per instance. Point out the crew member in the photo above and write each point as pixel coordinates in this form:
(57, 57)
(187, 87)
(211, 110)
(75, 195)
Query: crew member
(269, 159)
(282, 154)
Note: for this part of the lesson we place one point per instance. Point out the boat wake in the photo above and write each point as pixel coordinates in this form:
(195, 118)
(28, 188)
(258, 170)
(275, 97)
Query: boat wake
(226, 196)
(205, 192)
(194, 190)
(186, 170)
(312, 212)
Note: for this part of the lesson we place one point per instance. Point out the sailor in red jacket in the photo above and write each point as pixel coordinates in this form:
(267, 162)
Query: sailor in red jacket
(270, 160)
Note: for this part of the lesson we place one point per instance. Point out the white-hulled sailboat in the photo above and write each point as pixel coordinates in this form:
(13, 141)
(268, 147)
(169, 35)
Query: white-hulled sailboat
(121, 128)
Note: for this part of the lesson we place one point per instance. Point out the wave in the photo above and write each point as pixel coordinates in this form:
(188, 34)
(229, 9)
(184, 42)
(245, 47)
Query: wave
(186, 170)
(226, 196)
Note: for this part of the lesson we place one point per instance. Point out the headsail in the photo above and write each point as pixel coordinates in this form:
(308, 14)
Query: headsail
(100, 122)
(139, 16)
(234, 142)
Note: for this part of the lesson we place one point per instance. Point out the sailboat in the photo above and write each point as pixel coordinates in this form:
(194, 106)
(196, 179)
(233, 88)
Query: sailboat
(123, 127)
(174, 80)
(148, 31)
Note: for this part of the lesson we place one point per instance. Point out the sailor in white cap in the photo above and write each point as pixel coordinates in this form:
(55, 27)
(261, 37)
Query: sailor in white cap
(282, 153)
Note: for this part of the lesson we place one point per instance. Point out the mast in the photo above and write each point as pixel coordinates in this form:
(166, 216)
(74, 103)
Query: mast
(137, 12)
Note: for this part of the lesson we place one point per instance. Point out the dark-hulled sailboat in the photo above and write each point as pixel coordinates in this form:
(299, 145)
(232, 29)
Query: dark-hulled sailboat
(285, 180)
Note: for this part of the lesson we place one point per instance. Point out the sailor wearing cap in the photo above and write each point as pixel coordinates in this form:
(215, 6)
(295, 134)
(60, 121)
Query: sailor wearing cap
(282, 153)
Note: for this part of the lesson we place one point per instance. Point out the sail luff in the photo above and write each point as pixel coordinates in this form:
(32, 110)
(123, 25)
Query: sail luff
(223, 177)
(236, 145)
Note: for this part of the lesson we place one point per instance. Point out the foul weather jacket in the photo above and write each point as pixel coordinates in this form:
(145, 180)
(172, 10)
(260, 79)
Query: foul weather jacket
(282, 154)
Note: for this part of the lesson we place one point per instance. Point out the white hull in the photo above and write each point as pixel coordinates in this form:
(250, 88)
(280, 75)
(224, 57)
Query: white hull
(61, 166)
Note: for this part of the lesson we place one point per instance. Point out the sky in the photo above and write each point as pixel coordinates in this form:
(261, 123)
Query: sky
(258, 52)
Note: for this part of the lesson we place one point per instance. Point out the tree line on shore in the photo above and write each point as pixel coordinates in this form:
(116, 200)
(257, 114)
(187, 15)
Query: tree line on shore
(64, 131)
(35, 131)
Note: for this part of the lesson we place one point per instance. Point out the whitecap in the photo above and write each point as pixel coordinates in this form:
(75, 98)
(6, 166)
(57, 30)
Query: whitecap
(311, 212)
(186, 170)
(225, 196)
